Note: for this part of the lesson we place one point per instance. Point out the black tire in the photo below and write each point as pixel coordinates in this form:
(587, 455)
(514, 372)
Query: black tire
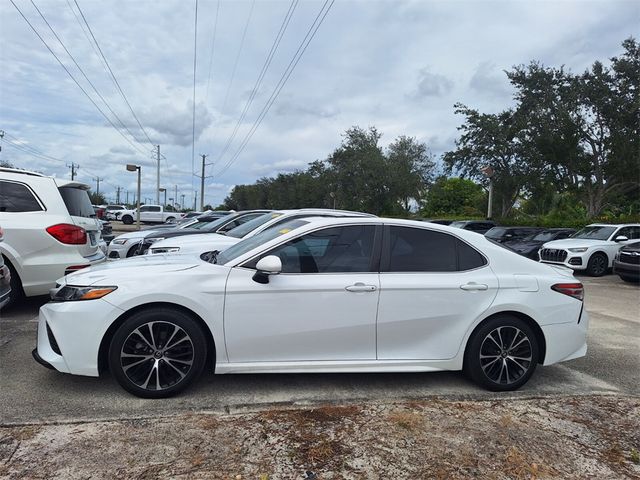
(17, 293)
(133, 250)
(519, 354)
(175, 368)
(127, 219)
(597, 265)
(169, 220)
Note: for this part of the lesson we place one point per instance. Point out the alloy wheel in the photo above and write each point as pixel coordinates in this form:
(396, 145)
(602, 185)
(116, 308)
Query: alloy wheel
(157, 355)
(598, 265)
(505, 355)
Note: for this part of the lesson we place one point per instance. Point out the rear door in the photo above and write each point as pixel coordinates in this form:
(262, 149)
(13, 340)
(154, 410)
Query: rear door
(432, 287)
(79, 206)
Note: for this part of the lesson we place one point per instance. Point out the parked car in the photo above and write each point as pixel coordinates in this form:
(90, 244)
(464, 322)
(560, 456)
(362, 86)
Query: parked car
(439, 221)
(125, 245)
(207, 223)
(627, 263)
(5, 279)
(506, 234)
(351, 294)
(478, 226)
(150, 214)
(50, 230)
(113, 212)
(529, 246)
(592, 249)
(199, 244)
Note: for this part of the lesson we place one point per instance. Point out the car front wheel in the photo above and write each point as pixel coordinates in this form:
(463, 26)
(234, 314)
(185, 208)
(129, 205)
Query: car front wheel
(127, 219)
(597, 265)
(502, 354)
(157, 353)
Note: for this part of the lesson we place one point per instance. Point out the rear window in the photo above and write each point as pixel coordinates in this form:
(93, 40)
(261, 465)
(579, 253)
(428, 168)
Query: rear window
(16, 197)
(496, 232)
(77, 202)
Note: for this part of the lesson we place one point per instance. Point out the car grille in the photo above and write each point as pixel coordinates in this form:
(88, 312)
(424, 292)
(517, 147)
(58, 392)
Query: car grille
(553, 255)
(630, 257)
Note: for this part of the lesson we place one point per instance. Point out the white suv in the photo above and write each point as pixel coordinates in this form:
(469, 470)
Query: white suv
(50, 230)
(592, 249)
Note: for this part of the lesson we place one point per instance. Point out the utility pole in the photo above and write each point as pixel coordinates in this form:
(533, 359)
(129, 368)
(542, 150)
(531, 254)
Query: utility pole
(175, 196)
(118, 195)
(73, 168)
(182, 202)
(195, 199)
(158, 177)
(97, 179)
(127, 192)
(202, 177)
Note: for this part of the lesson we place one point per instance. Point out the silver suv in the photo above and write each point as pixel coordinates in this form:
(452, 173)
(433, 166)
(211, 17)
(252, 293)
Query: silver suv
(50, 230)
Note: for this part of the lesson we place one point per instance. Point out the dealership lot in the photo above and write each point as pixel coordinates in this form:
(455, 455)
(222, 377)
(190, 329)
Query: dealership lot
(30, 393)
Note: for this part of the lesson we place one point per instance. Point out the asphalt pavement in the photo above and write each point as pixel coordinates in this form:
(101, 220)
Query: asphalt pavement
(30, 393)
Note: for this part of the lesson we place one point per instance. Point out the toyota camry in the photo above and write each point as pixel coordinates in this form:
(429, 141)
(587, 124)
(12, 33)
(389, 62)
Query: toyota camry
(317, 295)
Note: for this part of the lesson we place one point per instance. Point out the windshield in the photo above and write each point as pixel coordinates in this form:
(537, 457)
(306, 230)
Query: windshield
(248, 244)
(543, 236)
(251, 225)
(459, 224)
(210, 224)
(77, 202)
(594, 233)
(496, 232)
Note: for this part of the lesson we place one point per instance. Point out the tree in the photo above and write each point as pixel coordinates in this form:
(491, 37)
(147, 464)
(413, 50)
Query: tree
(410, 169)
(97, 198)
(6, 164)
(452, 197)
(493, 140)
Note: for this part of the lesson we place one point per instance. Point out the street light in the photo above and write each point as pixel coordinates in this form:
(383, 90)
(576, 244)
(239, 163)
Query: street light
(165, 195)
(489, 172)
(133, 168)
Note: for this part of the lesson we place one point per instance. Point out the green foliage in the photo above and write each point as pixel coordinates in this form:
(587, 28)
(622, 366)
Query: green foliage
(97, 198)
(454, 197)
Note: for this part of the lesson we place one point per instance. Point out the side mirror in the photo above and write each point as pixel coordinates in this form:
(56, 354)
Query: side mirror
(269, 265)
(621, 238)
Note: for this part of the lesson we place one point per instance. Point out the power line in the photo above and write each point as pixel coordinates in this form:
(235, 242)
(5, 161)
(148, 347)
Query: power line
(71, 75)
(235, 64)
(263, 71)
(313, 29)
(193, 123)
(213, 45)
(115, 80)
(82, 71)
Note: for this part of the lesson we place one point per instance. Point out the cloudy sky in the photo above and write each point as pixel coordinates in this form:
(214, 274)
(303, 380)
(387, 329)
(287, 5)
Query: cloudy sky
(399, 66)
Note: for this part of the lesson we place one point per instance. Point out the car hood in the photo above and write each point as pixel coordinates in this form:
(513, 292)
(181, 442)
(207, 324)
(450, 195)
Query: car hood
(175, 232)
(523, 246)
(575, 242)
(201, 239)
(137, 266)
(137, 234)
(632, 247)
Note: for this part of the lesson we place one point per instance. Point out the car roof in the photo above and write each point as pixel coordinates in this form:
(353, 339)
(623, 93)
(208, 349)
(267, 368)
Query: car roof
(614, 225)
(72, 184)
(23, 172)
(323, 211)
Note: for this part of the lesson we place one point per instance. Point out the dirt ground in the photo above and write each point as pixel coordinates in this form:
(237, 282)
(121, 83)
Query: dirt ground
(562, 437)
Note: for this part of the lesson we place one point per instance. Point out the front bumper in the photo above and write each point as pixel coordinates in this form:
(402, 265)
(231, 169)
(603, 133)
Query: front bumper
(75, 330)
(117, 250)
(626, 269)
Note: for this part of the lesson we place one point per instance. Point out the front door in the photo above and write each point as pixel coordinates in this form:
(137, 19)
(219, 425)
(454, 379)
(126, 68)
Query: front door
(322, 306)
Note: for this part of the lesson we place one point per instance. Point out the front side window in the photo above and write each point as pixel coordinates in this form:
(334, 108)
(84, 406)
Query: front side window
(16, 197)
(595, 233)
(331, 250)
(631, 233)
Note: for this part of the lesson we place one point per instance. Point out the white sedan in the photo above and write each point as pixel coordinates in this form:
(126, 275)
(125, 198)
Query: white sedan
(318, 295)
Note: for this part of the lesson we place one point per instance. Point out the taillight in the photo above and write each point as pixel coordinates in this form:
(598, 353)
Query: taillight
(575, 290)
(68, 234)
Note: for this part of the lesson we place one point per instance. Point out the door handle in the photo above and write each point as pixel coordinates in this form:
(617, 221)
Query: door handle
(472, 286)
(360, 287)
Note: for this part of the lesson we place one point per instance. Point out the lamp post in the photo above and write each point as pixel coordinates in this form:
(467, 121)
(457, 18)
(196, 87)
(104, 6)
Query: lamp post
(133, 168)
(161, 190)
(488, 172)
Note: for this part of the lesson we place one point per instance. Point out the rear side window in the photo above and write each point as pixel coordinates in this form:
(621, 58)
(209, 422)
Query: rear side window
(77, 202)
(16, 197)
(420, 250)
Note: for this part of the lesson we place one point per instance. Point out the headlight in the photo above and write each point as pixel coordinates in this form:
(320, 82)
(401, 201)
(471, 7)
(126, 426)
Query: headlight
(69, 293)
(154, 239)
(120, 241)
(578, 249)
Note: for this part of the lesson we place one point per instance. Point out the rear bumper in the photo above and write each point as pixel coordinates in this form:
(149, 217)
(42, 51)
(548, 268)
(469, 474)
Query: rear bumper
(566, 341)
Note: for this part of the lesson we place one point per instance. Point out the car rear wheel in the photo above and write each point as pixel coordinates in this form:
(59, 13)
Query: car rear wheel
(127, 219)
(157, 353)
(17, 293)
(597, 265)
(502, 354)
(169, 220)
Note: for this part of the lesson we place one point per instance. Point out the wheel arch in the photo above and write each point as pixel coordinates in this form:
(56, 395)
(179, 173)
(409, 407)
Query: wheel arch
(14, 271)
(103, 350)
(542, 343)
